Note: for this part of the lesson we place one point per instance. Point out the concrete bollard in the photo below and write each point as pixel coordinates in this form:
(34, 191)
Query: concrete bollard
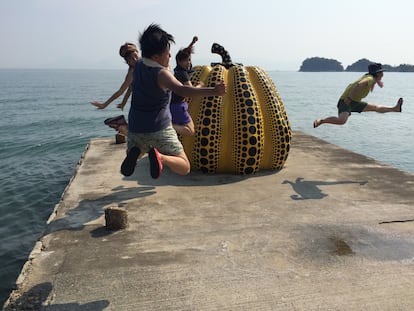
(115, 218)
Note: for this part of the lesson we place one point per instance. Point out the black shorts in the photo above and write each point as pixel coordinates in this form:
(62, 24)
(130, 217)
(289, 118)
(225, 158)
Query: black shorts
(353, 106)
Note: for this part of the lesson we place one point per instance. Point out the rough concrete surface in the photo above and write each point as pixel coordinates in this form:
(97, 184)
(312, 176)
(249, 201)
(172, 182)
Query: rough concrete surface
(333, 230)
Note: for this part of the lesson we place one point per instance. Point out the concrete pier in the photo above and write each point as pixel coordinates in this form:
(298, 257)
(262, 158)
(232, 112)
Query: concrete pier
(333, 230)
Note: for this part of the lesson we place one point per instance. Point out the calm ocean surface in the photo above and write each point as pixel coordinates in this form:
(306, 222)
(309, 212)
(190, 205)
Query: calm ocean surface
(47, 122)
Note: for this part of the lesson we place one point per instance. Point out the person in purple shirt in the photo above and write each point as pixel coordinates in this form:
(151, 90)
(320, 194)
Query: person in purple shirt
(181, 118)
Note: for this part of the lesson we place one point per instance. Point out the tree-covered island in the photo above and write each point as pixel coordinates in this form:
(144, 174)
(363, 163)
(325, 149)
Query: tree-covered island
(321, 64)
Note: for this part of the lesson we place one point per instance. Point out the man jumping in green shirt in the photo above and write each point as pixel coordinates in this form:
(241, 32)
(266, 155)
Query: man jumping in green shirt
(351, 99)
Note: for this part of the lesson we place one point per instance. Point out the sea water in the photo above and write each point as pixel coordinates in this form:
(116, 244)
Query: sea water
(47, 120)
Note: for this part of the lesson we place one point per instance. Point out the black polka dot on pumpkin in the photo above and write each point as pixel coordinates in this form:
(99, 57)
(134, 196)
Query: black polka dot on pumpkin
(204, 141)
(249, 102)
(251, 161)
(252, 151)
(248, 170)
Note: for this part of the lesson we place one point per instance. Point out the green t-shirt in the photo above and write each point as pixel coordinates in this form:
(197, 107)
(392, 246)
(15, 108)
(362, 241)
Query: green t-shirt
(363, 92)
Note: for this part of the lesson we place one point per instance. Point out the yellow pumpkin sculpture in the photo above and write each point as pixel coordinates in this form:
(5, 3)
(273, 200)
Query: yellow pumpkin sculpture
(246, 130)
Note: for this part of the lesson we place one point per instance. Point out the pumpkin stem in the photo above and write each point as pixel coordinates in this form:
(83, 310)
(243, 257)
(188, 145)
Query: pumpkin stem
(225, 56)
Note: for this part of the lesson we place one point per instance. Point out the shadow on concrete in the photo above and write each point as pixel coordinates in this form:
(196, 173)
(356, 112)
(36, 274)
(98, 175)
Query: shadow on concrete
(91, 209)
(100, 232)
(195, 178)
(35, 298)
(310, 189)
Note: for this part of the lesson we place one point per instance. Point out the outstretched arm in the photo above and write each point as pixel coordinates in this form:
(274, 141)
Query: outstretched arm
(125, 85)
(125, 99)
(166, 80)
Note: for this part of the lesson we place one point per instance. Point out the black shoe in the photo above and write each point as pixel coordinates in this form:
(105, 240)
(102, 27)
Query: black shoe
(155, 163)
(128, 165)
(118, 120)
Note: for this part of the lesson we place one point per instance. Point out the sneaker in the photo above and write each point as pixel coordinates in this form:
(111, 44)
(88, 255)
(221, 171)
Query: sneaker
(155, 163)
(128, 165)
(118, 120)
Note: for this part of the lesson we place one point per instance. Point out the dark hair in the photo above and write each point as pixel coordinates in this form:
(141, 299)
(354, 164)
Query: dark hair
(127, 49)
(154, 40)
(182, 54)
(186, 52)
(374, 69)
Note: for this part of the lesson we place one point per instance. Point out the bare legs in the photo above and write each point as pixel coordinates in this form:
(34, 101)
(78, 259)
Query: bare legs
(384, 109)
(178, 163)
(185, 129)
(343, 116)
(339, 120)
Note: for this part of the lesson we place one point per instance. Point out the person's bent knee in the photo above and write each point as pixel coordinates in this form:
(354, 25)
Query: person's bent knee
(184, 170)
(187, 167)
(184, 130)
(188, 130)
(187, 171)
(342, 118)
(184, 166)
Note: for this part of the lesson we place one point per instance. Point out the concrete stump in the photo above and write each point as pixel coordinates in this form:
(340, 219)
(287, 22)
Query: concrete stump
(115, 218)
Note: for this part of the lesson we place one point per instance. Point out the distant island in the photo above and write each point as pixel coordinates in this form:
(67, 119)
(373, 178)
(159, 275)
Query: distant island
(320, 64)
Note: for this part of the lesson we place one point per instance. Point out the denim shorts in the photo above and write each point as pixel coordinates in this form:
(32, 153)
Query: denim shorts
(353, 106)
(166, 141)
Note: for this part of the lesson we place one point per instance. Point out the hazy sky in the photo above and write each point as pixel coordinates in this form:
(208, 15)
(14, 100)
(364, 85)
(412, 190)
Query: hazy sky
(272, 34)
